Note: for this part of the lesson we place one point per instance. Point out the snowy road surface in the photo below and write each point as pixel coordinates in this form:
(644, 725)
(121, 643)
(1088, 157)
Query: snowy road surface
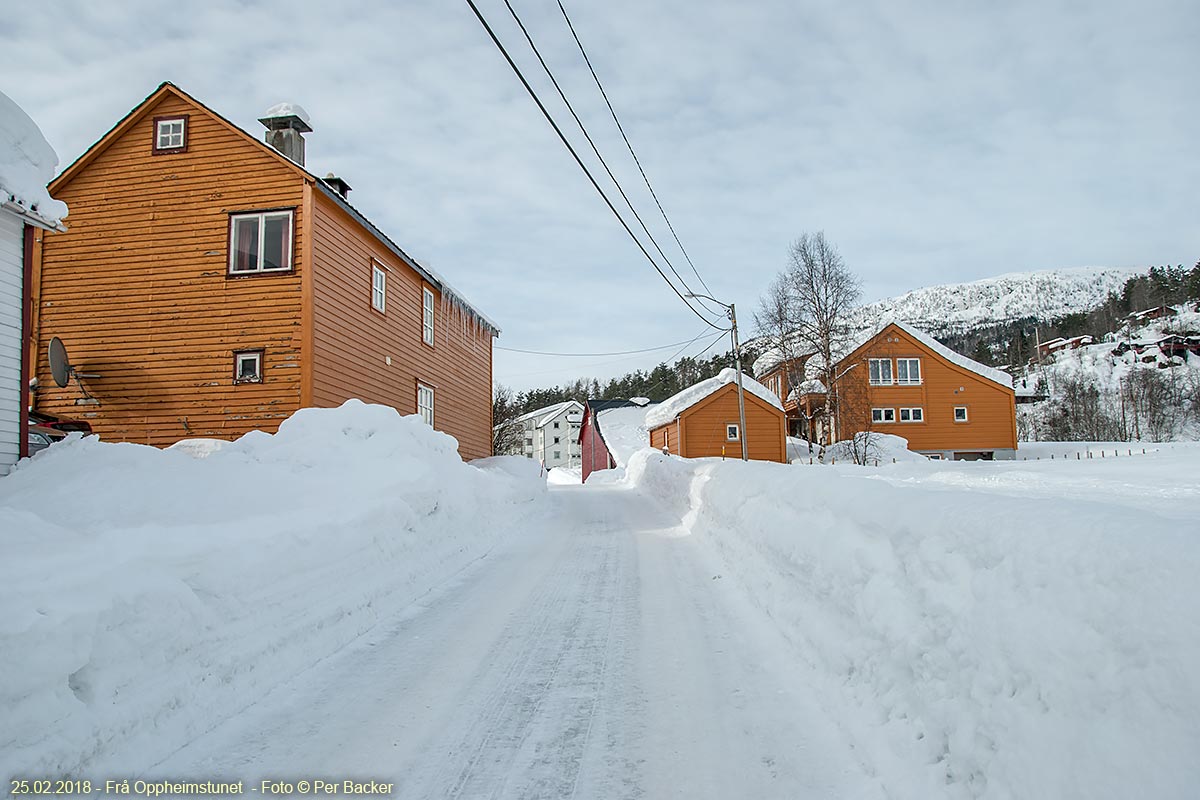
(600, 656)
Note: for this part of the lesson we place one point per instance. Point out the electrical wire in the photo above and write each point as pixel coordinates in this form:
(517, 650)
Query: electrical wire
(600, 355)
(596, 150)
(629, 145)
(537, 100)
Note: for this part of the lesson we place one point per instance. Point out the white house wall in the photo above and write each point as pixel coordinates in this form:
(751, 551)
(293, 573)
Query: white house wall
(11, 274)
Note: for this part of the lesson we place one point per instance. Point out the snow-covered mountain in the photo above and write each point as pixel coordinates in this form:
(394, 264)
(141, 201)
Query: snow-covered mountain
(961, 307)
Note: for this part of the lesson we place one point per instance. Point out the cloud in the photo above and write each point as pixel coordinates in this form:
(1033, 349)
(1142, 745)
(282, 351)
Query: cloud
(931, 143)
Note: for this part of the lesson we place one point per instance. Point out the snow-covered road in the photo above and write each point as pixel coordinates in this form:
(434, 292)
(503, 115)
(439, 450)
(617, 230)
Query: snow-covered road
(601, 655)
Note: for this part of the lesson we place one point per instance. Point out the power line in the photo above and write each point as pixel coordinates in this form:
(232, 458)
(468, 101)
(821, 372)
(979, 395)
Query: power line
(600, 355)
(622, 360)
(579, 161)
(629, 145)
(596, 150)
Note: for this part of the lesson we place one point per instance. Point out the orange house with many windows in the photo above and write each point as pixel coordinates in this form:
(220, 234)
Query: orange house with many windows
(210, 285)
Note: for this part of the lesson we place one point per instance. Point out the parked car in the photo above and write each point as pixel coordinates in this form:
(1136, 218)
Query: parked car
(36, 418)
(42, 436)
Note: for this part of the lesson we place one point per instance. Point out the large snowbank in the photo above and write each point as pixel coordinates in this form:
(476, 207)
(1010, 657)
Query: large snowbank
(624, 431)
(977, 638)
(148, 594)
(675, 405)
(27, 164)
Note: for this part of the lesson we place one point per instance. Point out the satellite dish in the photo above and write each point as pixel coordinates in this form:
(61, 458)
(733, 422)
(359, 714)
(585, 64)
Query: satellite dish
(60, 366)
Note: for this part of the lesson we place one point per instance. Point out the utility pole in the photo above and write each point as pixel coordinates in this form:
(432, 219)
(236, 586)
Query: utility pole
(737, 364)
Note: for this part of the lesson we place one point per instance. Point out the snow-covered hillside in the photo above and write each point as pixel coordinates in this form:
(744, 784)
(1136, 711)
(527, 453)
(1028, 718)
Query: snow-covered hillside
(961, 307)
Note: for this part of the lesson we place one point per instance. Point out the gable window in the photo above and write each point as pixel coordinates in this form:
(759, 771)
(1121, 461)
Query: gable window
(960, 413)
(908, 371)
(556, 425)
(378, 288)
(260, 242)
(731, 432)
(427, 316)
(170, 135)
(881, 371)
(912, 415)
(425, 402)
(248, 366)
(883, 415)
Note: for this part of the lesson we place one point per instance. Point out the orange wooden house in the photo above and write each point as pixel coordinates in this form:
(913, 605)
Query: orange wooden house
(703, 421)
(210, 285)
(901, 381)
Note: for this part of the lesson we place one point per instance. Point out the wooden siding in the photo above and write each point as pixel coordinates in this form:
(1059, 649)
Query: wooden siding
(699, 432)
(137, 288)
(991, 408)
(352, 342)
(12, 268)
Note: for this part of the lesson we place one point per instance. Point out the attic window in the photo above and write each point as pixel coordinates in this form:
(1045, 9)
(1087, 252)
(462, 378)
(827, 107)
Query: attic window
(170, 134)
(731, 432)
(247, 366)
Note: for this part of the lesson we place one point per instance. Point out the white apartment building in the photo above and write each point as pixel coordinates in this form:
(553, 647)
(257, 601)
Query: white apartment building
(550, 435)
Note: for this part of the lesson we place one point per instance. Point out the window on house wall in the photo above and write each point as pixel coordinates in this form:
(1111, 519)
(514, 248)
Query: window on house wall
(960, 413)
(378, 288)
(908, 371)
(248, 366)
(881, 371)
(557, 455)
(912, 415)
(556, 425)
(425, 402)
(170, 134)
(731, 432)
(556, 440)
(260, 242)
(883, 415)
(427, 316)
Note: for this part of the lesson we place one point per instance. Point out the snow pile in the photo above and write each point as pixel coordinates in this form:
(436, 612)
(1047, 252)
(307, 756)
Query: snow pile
(976, 639)
(149, 594)
(880, 449)
(624, 431)
(675, 405)
(27, 164)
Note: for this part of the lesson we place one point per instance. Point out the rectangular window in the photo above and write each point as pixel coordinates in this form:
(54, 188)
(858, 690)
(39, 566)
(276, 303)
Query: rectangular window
(556, 425)
(425, 403)
(556, 440)
(558, 455)
(427, 316)
(883, 415)
(908, 371)
(247, 366)
(960, 413)
(260, 242)
(378, 289)
(881, 371)
(934, 456)
(912, 415)
(170, 134)
(731, 432)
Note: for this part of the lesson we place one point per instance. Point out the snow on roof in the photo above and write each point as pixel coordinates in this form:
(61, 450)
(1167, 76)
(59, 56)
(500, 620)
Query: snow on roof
(27, 164)
(982, 370)
(624, 430)
(288, 110)
(672, 407)
(543, 415)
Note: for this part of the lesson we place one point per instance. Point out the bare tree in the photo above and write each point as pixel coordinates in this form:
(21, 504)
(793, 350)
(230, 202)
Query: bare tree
(506, 432)
(776, 321)
(853, 414)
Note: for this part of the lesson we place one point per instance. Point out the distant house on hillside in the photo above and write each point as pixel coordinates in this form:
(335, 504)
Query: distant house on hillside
(1150, 314)
(550, 435)
(214, 285)
(902, 381)
(610, 432)
(703, 421)
(27, 163)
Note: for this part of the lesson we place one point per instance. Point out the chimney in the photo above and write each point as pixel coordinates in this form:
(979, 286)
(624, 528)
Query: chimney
(337, 184)
(286, 124)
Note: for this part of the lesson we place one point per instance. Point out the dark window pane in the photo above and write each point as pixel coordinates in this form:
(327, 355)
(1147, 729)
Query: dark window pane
(245, 244)
(275, 249)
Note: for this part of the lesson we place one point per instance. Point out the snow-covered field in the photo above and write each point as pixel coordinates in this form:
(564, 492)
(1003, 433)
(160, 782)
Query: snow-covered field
(1020, 629)
(150, 594)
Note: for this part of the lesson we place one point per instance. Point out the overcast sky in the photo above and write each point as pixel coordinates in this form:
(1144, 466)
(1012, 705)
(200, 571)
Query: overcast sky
(932, 143)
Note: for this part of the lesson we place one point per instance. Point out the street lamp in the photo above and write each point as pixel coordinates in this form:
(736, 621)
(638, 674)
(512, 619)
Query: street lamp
(737, 363)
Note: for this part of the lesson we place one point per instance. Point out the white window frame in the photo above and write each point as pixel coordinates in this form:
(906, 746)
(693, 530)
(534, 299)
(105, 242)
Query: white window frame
(169, 135)
(915, 414)
(732, 427)
(426, 409)
(875, 367)
(965, 415)
(884, 416)
(427, 315)
(934, 456)
(248, 355)
(379, 288)
(262, 216)
(908, 380)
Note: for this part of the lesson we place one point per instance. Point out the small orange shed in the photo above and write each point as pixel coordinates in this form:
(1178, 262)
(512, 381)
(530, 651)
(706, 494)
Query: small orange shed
(703, 421)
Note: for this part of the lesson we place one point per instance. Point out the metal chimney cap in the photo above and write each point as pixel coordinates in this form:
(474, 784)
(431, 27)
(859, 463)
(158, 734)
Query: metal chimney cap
(287, 115)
